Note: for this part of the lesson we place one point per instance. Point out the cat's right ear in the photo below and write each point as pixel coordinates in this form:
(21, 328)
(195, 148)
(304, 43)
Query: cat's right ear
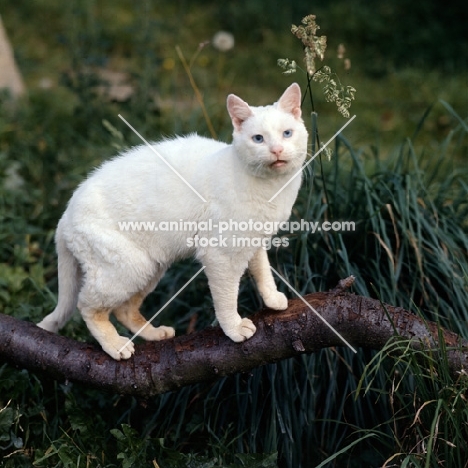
(239, 111)
(290, 101)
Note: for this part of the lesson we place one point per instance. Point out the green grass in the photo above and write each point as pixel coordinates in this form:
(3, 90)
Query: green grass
(52, 39)
(429, 406)
(409, 251)
(398, 171)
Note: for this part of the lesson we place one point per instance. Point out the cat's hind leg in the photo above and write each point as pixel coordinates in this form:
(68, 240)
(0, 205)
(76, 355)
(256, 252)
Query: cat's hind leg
(98, 323)
(113, 274)
(128, 314)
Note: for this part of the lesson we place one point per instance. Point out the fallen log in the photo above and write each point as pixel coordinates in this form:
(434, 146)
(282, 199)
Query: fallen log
(159, 367)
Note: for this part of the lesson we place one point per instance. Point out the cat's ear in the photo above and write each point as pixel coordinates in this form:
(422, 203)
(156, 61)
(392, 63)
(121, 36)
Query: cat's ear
(239, 110)
(290, 101)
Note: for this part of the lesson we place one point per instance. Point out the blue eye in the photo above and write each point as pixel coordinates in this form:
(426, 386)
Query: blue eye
(287, 133)
(258, 138)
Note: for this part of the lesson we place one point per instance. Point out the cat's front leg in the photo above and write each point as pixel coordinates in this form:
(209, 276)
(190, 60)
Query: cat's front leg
(259, 266)
(224, 286)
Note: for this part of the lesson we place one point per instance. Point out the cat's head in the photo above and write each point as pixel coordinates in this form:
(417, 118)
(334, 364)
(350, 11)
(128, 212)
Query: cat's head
(270, 140)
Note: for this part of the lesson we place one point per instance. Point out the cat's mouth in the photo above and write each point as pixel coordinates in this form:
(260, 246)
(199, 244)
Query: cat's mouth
(278, 163)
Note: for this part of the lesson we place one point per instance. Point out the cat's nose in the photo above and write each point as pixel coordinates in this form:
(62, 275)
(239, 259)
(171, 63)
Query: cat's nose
(277, 150)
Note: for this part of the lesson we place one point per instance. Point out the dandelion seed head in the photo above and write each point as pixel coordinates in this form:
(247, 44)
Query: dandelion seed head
(223, 41)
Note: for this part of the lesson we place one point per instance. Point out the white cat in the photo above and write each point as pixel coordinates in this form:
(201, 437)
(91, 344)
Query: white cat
(103, 269)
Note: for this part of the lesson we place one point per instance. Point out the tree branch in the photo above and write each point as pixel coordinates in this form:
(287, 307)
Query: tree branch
(159, 367)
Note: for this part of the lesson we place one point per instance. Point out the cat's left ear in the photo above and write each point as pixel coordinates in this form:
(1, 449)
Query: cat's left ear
(290, 101)
(239, 110)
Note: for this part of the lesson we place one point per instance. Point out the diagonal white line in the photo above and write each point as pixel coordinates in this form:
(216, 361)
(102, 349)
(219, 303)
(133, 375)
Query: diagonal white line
(162, 308)
(310, 160)
(162, 159)
(313, 310)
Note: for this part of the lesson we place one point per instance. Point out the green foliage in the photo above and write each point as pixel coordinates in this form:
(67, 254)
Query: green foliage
(131, 446)
(410, 212)
(429, 406)
(388, 35)
(381, 36)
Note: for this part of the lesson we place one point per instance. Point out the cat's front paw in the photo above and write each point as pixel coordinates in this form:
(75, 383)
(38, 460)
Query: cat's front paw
(119, 348)
(243, 331)
(276, 300)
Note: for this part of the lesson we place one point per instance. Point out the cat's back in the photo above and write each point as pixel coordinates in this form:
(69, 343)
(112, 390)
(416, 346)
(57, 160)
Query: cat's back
(179, 151)
(192, 146)
(144, 175)
(149, 161)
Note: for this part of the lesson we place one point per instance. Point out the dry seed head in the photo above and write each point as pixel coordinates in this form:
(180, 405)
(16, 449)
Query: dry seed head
(314, 46)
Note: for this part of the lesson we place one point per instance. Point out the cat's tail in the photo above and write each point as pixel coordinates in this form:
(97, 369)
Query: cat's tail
(69, 278)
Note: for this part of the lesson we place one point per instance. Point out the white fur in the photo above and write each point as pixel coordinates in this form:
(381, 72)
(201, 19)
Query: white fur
(103, 269)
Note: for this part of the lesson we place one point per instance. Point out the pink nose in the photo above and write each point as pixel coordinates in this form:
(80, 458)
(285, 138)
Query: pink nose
(276, 150)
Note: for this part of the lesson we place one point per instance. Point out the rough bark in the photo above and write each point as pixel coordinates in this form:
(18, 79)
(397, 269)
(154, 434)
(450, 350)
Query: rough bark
(158, 367)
